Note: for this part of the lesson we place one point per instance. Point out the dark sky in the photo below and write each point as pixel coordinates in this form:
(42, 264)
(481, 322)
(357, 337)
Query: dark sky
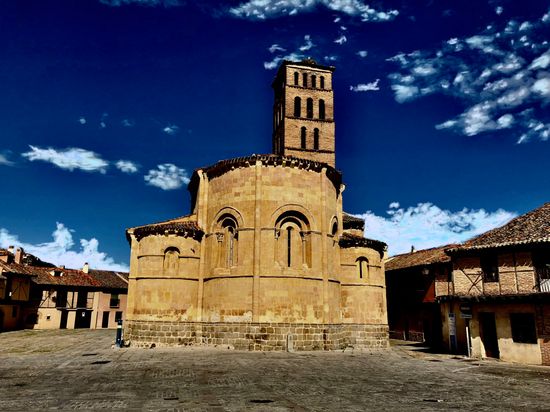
(439, 106)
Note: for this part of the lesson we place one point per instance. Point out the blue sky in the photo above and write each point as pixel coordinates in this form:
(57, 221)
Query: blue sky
(107, 106)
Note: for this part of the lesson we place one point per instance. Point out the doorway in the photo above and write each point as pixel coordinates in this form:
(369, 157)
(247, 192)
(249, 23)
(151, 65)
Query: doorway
(64, 316)
(83, 319)
(105, 320)
(488, 334)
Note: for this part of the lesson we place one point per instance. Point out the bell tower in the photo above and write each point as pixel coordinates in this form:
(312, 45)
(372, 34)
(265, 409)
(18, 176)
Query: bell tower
(303, 111)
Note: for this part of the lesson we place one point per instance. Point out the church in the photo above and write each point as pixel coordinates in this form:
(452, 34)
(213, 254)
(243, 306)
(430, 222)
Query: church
(267, 259)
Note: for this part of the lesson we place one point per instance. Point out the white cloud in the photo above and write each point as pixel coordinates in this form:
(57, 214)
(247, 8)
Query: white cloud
(128, 123)
(426, 225)
(542, 86)
(5, 161)
(499, 10)
(171, 129)
(82, 120)
(368, 87)
(69, 159)
(294, 56)
(266, 9)
(152, 3)
(275, 47)
(60, 251)
(490, 73)
(362, 53)
(167, 176)
(308, 43)
(331, 58)
(404, 92)
(341, 40)
(126, 166)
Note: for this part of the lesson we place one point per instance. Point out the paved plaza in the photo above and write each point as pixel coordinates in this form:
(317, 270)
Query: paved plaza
(79, 370)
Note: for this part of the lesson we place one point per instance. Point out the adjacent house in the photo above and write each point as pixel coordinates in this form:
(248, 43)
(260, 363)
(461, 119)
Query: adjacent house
(413, 281)
(38, 295)
(15, 281)
(500, 292)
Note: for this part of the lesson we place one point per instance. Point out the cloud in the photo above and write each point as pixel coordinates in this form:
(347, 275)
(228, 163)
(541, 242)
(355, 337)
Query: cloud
(295, 56)
(167, 177)
(4, 161)
(60, 250)
(275, 47)
(369, 87)
(267, 9)
(151, 3)
(426, 225)
(500, 74)
(126, 166)
(69, 159)
(82, 120)
(341, 40)
(127, 123)
(362, 53)
(499, 10)
(171, 129)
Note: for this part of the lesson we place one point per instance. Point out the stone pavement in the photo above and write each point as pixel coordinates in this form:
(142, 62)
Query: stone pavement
(79, 369)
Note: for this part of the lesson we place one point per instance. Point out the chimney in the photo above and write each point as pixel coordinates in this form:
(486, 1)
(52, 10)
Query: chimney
(413, 249)
(86, 268)
(10, 249)
(19, 253)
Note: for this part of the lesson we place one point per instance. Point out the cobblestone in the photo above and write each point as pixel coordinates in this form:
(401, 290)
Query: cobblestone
(80, 370)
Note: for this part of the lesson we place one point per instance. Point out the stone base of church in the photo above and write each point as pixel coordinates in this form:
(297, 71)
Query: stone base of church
(256, 336)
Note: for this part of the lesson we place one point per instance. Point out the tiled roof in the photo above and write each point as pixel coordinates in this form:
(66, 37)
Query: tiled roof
(69, 277)
(418, 258)
(98, 279)
(532, 227)
(352, 222)
(109, 279)
(223, 166)
(349, 240)
(182, 225)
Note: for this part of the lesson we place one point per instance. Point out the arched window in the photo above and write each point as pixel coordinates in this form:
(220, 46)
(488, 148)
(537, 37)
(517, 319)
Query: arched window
(362, 267)
(309, 108)
(227, 237)
(303, 132)
(296, 78)
(316, 139)
(314, 81)
(293, 249)
(334, 230)
(304, 77)
(322, 109)
(171, 261)
(297, 106)
(322, 81)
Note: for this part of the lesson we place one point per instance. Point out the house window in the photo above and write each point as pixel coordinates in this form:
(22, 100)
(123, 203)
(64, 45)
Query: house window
(309, 108)
(313, 81)
(523, 327)
(489, 268)
(118, 316)
(61, 299)
(303, 137)
(322, 109)
(114, 302)
(82, 299)
(541, 262)
(296, 78)
(316, 139)
(297, 107)
(362, 267)
(105, 320)
(305, 80)
(322, 81)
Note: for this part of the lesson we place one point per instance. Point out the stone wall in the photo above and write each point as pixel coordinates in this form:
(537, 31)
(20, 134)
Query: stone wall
(256, 336)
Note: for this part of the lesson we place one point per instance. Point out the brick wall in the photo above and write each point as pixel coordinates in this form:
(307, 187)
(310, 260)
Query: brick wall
(256, 336)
